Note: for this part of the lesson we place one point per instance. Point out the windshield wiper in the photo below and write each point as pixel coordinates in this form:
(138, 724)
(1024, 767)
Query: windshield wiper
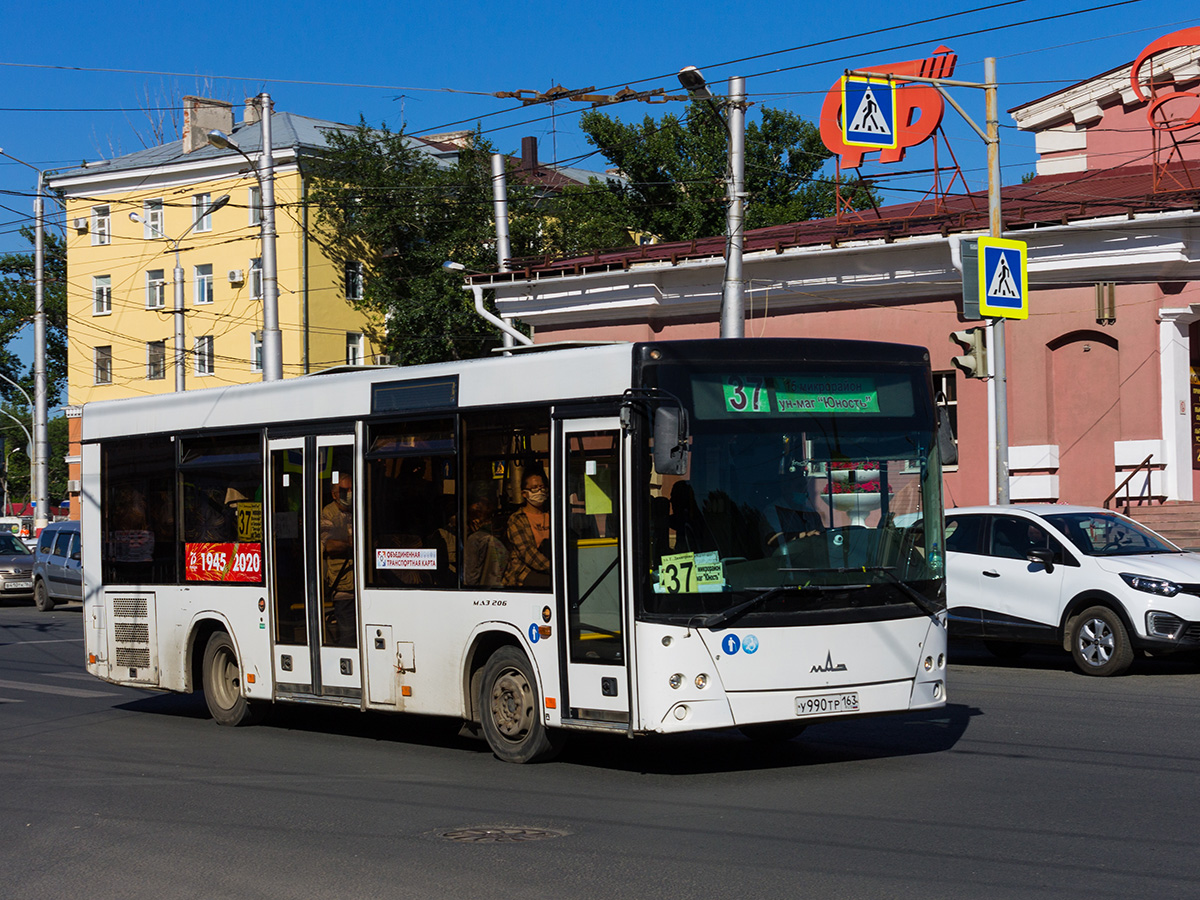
(718, 619)
(919, 600)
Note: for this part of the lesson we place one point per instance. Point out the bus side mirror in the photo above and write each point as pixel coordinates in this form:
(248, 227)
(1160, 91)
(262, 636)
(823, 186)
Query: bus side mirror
(947, 449)
(670, 440)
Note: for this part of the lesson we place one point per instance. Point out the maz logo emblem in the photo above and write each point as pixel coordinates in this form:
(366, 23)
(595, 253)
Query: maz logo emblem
(829, 666)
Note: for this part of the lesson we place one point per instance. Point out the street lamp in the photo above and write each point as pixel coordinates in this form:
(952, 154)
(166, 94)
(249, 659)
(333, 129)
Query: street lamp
(511, 334)
(41, 440)
(33, 467)
(733, 316)
(272, 340)
(180, 335)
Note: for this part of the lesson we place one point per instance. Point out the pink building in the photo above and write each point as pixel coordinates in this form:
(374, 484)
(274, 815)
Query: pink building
(1099, 376)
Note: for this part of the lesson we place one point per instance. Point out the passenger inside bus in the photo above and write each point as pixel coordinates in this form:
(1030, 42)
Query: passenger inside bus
(485, 557)
(337, 556)
(529, 535)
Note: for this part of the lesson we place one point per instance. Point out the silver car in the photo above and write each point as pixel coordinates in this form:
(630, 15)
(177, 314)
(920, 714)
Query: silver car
(16, 568)
(57, 566)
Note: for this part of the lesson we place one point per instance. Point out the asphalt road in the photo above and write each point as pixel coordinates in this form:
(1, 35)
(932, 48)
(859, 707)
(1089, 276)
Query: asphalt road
(1034, 782)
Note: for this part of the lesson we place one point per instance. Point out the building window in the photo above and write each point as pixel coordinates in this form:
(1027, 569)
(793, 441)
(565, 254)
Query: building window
(354, 281)
(256, 279)
(104, 366)
(203, 351)
(200, 203)
(254, 203)
(204, 284)
(354, 348)
(156, 360)
(156, 289)
(152, 219)
(256, 351)
(101, 295)
(101, 225)
(945, 393)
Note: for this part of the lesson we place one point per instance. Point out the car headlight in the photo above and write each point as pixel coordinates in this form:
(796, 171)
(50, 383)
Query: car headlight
(1150, 585)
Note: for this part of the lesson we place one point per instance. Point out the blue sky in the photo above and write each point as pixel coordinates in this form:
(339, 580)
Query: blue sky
(77, 80)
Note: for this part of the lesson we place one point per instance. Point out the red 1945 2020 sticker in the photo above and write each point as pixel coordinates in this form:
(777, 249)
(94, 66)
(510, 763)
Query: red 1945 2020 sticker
(223, 562)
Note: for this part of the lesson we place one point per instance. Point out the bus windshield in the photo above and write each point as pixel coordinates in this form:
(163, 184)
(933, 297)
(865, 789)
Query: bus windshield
(811, 492)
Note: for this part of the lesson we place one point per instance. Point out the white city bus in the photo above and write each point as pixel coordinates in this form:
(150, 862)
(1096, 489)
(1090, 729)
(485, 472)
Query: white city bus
(735, 534)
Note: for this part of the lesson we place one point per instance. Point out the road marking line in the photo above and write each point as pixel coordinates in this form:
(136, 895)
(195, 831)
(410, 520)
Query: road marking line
(59, 641)
(53, 689)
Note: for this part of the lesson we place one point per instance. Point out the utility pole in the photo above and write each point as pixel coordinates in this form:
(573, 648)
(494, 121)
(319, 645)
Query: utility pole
(39, 488)
(733, 291)
(500, 214)
(996, 229)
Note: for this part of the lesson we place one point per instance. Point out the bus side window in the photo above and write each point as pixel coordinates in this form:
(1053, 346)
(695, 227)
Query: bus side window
(137, 512)
(499, 449)
(412, 500)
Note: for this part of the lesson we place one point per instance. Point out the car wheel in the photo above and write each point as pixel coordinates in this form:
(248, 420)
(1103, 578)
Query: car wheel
(773, 732)
(511, 711)
(41, 597)
(1006, 649)
(1099, 642)
(223, 684)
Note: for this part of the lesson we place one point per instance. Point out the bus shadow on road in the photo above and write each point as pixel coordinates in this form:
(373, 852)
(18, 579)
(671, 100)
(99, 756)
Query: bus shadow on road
(823, 743)
(694, 753)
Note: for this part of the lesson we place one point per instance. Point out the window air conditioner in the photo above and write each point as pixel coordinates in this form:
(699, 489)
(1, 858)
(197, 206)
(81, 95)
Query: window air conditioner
(236, 276)
(80, 224)
(73, 486)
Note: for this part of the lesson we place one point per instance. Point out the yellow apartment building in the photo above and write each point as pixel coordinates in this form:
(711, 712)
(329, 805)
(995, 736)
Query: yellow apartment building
(132, 219)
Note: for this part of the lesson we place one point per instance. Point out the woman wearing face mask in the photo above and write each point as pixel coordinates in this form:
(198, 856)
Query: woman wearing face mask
(529, 535)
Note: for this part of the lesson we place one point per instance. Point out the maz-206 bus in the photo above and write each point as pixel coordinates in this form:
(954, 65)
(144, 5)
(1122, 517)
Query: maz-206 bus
(629, 538)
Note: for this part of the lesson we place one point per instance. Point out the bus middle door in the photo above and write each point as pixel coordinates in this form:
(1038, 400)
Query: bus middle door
(314, 590)
(593, 602)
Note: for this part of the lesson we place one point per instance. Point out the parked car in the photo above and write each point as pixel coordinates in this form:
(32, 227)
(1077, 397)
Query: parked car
(16, 568)
(57, 569)
(1089, 580)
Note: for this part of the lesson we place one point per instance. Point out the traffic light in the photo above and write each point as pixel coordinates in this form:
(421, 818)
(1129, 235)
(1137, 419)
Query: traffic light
(973, 361)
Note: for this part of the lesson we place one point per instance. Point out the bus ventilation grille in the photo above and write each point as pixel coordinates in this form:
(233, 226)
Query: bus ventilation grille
(131, 634)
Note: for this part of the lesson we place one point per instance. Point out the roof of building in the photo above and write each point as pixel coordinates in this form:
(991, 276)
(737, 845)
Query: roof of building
(1045, 200)
(288, 130)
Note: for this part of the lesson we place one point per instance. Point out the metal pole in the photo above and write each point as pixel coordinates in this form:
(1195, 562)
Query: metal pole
(733, 317)
(996, 229)
(41, 441)
(180, 336)
(272, 346)
(500, 213)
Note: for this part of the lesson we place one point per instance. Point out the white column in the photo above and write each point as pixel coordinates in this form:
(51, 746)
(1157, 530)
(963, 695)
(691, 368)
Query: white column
(1175, 374)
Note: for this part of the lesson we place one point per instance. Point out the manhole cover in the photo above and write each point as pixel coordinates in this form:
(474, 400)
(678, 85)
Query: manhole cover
(503, 835)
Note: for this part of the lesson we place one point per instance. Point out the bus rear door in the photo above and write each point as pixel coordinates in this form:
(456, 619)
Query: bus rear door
(313, 585)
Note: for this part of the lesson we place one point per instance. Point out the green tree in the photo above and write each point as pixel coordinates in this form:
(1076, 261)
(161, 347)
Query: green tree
(16, 313)
(675, 171)
(380, 199)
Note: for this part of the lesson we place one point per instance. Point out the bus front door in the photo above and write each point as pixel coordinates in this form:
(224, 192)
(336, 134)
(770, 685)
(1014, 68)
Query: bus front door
(593, 602)
(313, 582)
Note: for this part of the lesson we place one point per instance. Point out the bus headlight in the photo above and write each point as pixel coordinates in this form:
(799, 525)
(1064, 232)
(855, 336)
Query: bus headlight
(702, 681)
(929, 664)
(676, 680)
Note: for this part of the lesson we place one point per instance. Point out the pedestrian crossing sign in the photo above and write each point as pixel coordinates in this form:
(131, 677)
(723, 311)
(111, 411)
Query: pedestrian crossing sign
(1003, 278)
(869, 112)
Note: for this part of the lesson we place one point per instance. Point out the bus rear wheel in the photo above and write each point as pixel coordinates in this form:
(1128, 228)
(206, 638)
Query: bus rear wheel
(223, 683)
(511, 712)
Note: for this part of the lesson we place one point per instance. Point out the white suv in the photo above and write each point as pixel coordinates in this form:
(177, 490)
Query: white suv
(1090, 580)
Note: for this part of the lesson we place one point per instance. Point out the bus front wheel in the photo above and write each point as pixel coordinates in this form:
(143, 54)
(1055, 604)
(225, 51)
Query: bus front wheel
(223, 683)
(511, 711)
